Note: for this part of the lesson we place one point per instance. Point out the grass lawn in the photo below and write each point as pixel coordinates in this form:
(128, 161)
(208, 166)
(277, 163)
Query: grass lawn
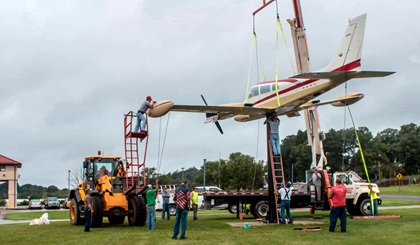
(405, 190)
(390, 202)
(212, 228)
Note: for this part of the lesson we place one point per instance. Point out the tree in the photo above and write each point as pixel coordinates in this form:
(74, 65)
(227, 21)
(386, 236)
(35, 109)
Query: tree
(296, 152)
(242, 172)
(408, 147)
(215, 172)
(52, 188)
(76, 177)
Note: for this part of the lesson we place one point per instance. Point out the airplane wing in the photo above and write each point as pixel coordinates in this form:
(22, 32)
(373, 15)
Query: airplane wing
(244, 113)
(343, 74)
(224, 111)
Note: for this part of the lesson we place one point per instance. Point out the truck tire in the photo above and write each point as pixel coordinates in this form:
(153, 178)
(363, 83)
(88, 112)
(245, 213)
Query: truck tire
(172, 210)
(98, 212)
(137, 211)
(363, 207)
(261, 209)
(75, 213)
(233, 208)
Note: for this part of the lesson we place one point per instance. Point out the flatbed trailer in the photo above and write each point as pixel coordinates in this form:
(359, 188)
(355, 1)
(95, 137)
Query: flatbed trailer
(303, 195)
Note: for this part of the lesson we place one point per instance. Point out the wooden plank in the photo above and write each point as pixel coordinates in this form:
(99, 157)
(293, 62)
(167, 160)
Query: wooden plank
(377, 217)
(306, 228)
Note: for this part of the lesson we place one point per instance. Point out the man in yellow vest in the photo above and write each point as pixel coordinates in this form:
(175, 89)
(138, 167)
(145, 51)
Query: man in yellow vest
(372, 194)
(194, 202)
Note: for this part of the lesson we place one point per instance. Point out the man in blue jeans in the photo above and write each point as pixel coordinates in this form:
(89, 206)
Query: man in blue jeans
(141, 119)
(337, 195)
(165, 203)
(285, 196)
(151, 209)
(182, 201)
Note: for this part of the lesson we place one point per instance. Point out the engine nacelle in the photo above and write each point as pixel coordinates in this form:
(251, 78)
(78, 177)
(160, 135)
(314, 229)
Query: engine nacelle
(347, 99)
(246, 118)
(160, 108)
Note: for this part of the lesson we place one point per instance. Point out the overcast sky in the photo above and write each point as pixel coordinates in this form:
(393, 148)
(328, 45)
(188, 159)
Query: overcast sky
(69, 70)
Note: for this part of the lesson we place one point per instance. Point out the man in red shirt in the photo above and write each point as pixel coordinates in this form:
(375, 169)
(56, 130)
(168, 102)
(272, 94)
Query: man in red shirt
(338, 210)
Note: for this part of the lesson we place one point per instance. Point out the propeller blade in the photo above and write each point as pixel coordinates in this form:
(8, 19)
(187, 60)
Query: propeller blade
(205, 102)
(212, 114)
(219, 127)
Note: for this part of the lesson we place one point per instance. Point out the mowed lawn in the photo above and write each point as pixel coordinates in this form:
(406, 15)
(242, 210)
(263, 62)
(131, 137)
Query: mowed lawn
(213, 228)
(404, 190)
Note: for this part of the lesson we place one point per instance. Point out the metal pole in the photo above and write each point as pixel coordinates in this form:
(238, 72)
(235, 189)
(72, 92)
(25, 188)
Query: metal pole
(292, 173)
(182, 173)
(69, 180)
(219, 169)
(204, 179)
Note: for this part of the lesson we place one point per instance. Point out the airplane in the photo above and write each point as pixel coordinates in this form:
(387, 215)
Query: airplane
(289, 96)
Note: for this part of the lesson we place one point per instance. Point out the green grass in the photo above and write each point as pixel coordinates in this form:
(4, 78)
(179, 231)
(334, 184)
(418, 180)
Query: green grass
(406, 190)
(390, 202)
(212, 228)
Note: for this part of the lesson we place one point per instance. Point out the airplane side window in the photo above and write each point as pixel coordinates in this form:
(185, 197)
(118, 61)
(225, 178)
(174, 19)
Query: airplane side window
(254, 91)
(265, 89)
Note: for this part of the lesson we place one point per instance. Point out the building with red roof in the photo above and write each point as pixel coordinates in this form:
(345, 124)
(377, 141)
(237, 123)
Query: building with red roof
(9, 173)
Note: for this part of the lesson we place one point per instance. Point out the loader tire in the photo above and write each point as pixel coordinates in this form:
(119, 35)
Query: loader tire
(98, 212)
(137, 211)
(75, 213)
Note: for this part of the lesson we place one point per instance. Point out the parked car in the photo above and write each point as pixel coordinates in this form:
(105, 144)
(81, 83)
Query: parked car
(35, 204)
(52, 202)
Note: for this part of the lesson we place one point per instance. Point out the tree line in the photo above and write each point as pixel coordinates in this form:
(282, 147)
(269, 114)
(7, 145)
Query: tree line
(28, 191)
(389, 152)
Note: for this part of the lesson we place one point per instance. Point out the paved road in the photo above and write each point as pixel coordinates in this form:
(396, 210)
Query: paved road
(394, 197)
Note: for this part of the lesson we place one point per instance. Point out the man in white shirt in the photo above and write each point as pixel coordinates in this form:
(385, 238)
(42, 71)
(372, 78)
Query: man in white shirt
(285, 196)
(316, 180)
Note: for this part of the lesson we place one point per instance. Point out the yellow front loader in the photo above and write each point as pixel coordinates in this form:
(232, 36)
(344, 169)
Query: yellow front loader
(111, 198)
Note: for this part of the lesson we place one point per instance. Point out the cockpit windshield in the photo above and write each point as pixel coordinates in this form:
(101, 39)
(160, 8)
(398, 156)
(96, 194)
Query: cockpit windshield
(254, 92)
(261, 89)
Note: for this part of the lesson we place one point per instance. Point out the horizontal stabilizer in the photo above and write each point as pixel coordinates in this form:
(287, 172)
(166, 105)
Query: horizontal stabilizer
(343, 74)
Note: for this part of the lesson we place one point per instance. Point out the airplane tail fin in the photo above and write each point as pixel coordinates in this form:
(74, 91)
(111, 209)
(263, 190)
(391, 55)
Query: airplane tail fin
(348, 56)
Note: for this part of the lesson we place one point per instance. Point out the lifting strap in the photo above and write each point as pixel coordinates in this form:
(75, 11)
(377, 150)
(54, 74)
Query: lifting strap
(362, 157)
(254, 40)
(160, 153)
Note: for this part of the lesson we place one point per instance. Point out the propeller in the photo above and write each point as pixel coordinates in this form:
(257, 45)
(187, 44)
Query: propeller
(211, 115)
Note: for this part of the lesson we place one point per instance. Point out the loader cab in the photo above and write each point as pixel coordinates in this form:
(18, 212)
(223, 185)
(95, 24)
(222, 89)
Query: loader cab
(97, 166)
